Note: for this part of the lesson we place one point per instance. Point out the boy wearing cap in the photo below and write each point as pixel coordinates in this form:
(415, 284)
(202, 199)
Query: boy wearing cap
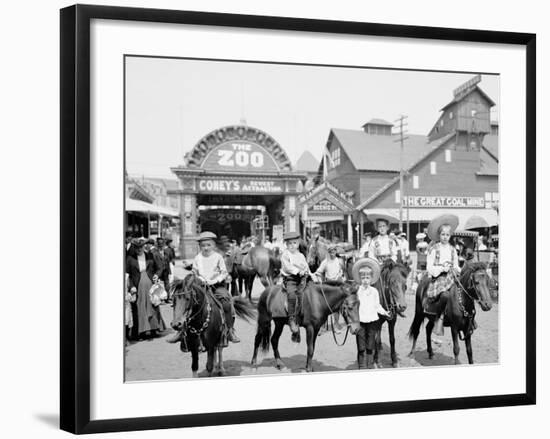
(366, 272)
(295, 272)
(210, 267)
(331, 268)
(382, 247)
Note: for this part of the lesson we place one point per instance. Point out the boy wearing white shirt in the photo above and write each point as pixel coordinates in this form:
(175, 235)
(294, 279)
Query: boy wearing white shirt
(383, 247)
(331, 268)
(366, 272)
(209, 266)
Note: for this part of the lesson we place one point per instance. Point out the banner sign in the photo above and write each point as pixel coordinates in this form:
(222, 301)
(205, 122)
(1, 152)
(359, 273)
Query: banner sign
(240, 185)
(225, 215)
(448, 202)
(240, 156)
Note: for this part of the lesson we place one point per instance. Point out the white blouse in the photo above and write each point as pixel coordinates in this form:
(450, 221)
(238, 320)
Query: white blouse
(142, 261)
(446, 253)
(369, 304)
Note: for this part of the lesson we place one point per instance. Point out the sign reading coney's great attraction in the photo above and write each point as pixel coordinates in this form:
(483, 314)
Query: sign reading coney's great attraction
(238, 148)
(245, 185)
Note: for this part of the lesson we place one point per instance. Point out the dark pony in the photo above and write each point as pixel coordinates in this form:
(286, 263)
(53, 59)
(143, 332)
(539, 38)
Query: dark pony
(391, 286)
(318, 302)
(198, 317)
(459, 311)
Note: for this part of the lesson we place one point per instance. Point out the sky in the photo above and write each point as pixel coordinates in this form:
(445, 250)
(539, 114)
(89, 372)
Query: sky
(172, 103)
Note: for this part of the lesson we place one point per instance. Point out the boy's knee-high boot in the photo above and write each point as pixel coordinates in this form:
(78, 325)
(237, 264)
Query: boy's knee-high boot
(370, 361)
(361, 360)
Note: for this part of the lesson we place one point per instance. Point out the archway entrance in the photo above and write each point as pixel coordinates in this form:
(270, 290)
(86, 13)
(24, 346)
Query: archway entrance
(233, 175)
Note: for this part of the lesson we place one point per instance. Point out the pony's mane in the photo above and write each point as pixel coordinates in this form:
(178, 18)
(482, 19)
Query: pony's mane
(470, 268)
(390, 265)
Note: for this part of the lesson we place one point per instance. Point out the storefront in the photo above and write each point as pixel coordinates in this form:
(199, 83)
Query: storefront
(233, 176)
(327, 207)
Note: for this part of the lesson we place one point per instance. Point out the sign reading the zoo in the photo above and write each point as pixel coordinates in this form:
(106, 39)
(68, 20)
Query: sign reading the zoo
(240, 156)
(240, 185)
(450, 202)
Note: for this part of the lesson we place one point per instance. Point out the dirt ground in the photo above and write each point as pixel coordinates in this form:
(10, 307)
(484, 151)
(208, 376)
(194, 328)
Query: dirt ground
(157, 360)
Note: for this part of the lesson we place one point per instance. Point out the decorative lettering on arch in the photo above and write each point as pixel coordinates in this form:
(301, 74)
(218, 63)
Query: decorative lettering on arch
(196, 157)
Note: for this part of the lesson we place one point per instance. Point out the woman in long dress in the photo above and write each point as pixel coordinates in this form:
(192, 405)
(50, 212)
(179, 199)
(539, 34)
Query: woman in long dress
(143, 271)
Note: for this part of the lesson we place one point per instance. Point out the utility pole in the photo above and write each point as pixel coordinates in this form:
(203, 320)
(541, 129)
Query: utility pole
(401, 133)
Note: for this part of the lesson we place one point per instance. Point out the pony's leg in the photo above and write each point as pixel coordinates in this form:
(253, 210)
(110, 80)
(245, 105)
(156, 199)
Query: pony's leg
(279, 326)
(456, 345)
(391, 330)
(310, 337)
(210, 361)
(468, 342)
(429, 328)
(377, 347)
(195, 361)
(221, 369)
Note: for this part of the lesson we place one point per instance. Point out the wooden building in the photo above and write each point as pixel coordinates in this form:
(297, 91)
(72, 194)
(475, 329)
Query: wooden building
(452, 169)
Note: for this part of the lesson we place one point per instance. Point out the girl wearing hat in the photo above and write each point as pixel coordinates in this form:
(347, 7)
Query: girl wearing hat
(366, 272)
(210, 267)
(442, 261)
(295, 272)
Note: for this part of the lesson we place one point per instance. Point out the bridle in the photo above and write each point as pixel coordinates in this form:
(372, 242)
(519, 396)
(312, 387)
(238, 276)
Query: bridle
(344, 314)
(193, 302)
(468, 315)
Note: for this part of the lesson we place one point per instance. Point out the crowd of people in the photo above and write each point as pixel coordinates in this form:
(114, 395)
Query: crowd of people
(149, 270)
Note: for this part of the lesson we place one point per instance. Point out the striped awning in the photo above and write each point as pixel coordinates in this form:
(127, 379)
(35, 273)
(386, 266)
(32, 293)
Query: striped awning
(143, 207)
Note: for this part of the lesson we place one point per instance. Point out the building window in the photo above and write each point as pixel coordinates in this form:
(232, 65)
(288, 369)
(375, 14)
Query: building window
(441, 122)
(415, 181)
(450, 115)
(474, 112)
(335, 158)
(433, 169)
(448, 155)
(398, 196)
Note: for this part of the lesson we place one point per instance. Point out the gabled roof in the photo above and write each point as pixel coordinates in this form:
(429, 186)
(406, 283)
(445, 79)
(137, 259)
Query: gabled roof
(381, 153)
(435, 145)
(378, 122)
(490, 143)
(307, 162)
(461, 96)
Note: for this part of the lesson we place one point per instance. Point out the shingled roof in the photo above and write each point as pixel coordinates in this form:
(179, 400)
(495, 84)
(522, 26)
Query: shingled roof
(488, 156)
(370, 152)
(461, 96)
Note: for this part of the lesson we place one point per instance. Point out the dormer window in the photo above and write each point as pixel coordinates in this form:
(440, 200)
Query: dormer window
(450, 115)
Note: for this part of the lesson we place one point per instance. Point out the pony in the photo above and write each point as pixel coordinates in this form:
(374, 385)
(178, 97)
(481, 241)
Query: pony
(318, 302)
(198, 317)
(257, 261)
(391, 286)
(470, 287)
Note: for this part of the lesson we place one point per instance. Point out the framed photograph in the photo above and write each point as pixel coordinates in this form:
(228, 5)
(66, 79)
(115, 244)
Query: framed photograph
(256, 210)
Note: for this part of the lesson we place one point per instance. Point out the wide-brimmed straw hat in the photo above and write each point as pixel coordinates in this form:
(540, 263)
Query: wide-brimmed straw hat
(445, 219)
(205, 236)
(291, 235)
(366, 262)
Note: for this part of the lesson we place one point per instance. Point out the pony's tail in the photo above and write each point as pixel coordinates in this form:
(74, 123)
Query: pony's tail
(264, 323)
(244, 309)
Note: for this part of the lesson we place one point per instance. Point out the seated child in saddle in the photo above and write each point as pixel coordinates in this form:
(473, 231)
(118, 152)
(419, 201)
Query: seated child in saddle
(209, 266)
(331, 269)
(442, 263)
(295, 273)
(382, 247)
(366, 272)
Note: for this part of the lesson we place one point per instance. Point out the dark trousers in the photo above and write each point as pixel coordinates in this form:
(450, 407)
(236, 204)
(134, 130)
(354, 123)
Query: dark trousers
(366, 337)
(294, 287)
(222, 295)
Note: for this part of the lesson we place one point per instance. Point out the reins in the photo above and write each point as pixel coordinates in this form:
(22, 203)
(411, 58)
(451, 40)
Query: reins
(469, 316)
(332, 320)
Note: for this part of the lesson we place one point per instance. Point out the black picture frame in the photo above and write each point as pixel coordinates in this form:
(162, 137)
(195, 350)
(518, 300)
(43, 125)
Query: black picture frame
(75, 217)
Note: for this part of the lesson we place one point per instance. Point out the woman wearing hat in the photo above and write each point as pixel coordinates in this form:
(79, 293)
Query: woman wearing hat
(442, 261)
(366, 272)
(210, 267)
(295, 272)
(142, 272)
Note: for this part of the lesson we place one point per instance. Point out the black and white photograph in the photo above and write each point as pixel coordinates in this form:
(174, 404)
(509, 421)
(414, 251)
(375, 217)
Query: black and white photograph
(285, 218)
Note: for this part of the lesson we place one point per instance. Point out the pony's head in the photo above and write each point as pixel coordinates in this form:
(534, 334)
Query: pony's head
(350, 312)
(475, 280)
(184, 293)
(394, 278)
